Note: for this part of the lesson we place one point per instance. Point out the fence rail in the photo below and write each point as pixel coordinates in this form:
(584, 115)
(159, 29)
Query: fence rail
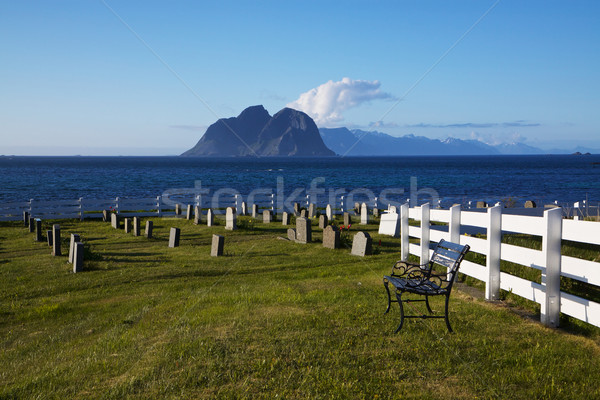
(551, 227)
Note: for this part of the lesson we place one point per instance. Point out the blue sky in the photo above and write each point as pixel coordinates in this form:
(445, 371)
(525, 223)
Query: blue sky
(75, 77)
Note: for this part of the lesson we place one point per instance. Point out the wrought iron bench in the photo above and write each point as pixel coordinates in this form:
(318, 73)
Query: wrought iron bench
(421, 279)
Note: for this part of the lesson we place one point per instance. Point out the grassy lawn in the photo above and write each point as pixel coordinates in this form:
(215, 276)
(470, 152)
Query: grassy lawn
(270, 319)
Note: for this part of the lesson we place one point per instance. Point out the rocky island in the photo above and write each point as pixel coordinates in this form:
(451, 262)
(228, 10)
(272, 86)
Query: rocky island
(256, 133)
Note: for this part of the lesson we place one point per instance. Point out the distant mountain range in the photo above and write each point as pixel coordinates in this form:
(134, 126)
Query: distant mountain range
(293, 133)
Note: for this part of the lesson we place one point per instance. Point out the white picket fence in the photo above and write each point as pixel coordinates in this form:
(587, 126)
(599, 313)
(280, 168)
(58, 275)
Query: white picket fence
(550, 260)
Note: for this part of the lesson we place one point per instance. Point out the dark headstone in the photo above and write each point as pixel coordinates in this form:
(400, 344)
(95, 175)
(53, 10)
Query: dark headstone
(197, 215)
(323, 221)
(303, 230)
(127, 225)
(56, 240)
(25, 218)
(38, 230)
(216, 248)
(291, 233)
(74, 239)
(178, 209)
(49, 237)
(149, 227)
(31, 224)
(312, 210)
(136, 226)
(362, 245)
(210, 217)
(174, 237)
(77, 258)
(188, 214)
(530, 204)
(347, 219)
(285, 218)
(230, 219)
(267, 216)
(331, 237)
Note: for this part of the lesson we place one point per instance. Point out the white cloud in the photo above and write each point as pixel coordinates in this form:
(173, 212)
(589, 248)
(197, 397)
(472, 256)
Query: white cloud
(495, 139)
(327, 102)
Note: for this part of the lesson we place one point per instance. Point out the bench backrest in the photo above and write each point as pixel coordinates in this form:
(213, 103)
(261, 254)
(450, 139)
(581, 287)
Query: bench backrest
(449, 255)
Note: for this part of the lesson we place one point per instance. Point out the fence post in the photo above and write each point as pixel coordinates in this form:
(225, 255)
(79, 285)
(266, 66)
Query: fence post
(424, 233)
(492, 258)
(81, 208)
(404, 243)
(159, 205)
(551, 248)
(454, 226)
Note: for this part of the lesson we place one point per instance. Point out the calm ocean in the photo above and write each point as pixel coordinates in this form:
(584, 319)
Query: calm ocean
(544, 179)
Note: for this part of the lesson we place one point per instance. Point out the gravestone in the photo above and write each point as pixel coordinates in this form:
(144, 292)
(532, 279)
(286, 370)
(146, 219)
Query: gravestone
(312, 210)
(481, 204)
(303, 230)
(25, 218)
(323, 221)
(389, 224)
(210, 218)
(230, 219)
(285, 218)
(303, 213)
(218, 243)
(127, 225)
(530, 204)
(105, 215)
(329, 212)
(356, 208)
(49, 237)
(267, 216)
(393, 209)
(31, 224)
(364, 214)
(77, 260)
(74, 239)
(331, 237)
(362, 245)
(177, 209)
(149, 227)
(244, 208)
(114, 220)
(56, 240)
(188, 214)
(136, 226)
(38, 230)
(296, 209)
(197, 215)
(291, 233)
(254, 210)
(174, 237)
(376, 212)
(347, 219)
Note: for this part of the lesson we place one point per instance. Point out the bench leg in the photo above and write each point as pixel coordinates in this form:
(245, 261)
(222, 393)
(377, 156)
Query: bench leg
(447, 320)
(427, 304)
(387, 289)
(398, 296)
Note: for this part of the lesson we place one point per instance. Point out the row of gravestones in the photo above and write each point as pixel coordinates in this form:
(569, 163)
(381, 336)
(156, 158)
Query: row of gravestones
(76, 248)
(362, 244)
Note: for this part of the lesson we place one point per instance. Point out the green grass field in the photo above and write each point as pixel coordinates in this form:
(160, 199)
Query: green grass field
(270, 319)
